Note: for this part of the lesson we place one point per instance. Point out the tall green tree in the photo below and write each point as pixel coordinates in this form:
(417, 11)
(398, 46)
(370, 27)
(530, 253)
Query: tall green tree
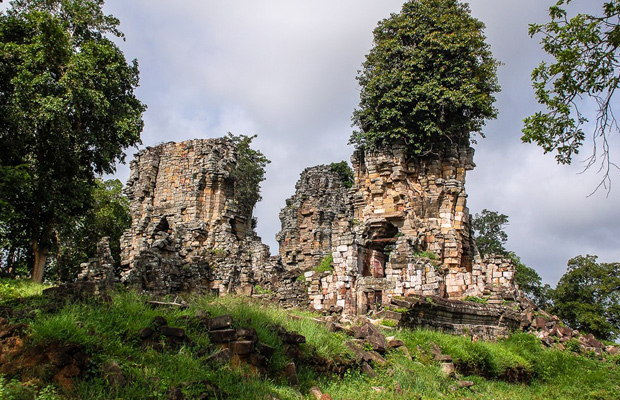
(428, 81)
(109, 217)
(490, 237)
(577, 88)
(67, 110)
(488, 227)
(587, 297)
(248, 173)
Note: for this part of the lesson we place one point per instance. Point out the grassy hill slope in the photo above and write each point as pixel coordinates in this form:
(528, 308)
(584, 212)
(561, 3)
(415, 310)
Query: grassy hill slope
(121, 347)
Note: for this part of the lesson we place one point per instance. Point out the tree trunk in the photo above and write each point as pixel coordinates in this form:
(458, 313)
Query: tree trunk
(40, 257)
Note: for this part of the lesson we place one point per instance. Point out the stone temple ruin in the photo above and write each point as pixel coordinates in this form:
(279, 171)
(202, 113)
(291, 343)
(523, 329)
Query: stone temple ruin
(402, 230)
(381, 232)
(188, 232)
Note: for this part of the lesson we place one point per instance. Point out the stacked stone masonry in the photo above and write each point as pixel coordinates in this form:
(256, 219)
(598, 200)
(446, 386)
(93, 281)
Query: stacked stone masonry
(310, 218)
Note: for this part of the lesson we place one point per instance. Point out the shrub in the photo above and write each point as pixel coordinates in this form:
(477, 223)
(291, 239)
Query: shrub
(476, 299)
(426, 254)
(325, 265)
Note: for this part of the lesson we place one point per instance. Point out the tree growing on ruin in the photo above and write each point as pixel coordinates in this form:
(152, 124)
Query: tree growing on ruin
(428, 81)
(345, 173)
(577, 88)
(67, 110)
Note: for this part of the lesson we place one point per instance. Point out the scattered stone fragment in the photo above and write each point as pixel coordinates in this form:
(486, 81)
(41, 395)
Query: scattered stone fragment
(222, 336)
(222, 356)
(290, 371)
(316, 392)
(447, 368)
(367, 369)
(242, 347)
(113, 374)
(222, 322)
(293, 338)
(177, 333)
(145, 333)
(465, 384)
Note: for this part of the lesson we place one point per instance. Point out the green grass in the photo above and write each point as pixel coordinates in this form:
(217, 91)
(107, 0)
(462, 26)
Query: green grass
(11, 289)
(108, 332)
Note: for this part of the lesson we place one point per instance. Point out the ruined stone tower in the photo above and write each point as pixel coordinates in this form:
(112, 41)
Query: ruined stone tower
(312, 217)
(188, 232)
(402, 229)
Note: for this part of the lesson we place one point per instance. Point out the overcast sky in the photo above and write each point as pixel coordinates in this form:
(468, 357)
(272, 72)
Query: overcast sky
(285, 70)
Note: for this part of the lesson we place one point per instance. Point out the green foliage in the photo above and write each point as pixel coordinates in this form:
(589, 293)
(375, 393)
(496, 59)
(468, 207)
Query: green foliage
(389, 322)
(248, 173)
(11, 289)
(427, 254)
(325, 265)
(476, 299)
(16, 390)
(344, 172)
(67, 111)
(587, 297)
(531, 283)
(491, 238)
(258, 289)
(580, 82)
(428, 81)
(489, 232)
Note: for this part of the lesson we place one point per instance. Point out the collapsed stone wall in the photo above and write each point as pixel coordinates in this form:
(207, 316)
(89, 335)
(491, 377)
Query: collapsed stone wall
(403, 229)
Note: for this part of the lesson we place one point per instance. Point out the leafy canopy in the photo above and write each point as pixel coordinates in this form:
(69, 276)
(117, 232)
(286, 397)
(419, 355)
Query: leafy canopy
(109, 216)
(345, 173)
(428, 81)
(67, 111)
(489, 232)
(577, 88)
(587, 297)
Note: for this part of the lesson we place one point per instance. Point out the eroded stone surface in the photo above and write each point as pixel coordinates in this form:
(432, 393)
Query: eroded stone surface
(311, 218)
